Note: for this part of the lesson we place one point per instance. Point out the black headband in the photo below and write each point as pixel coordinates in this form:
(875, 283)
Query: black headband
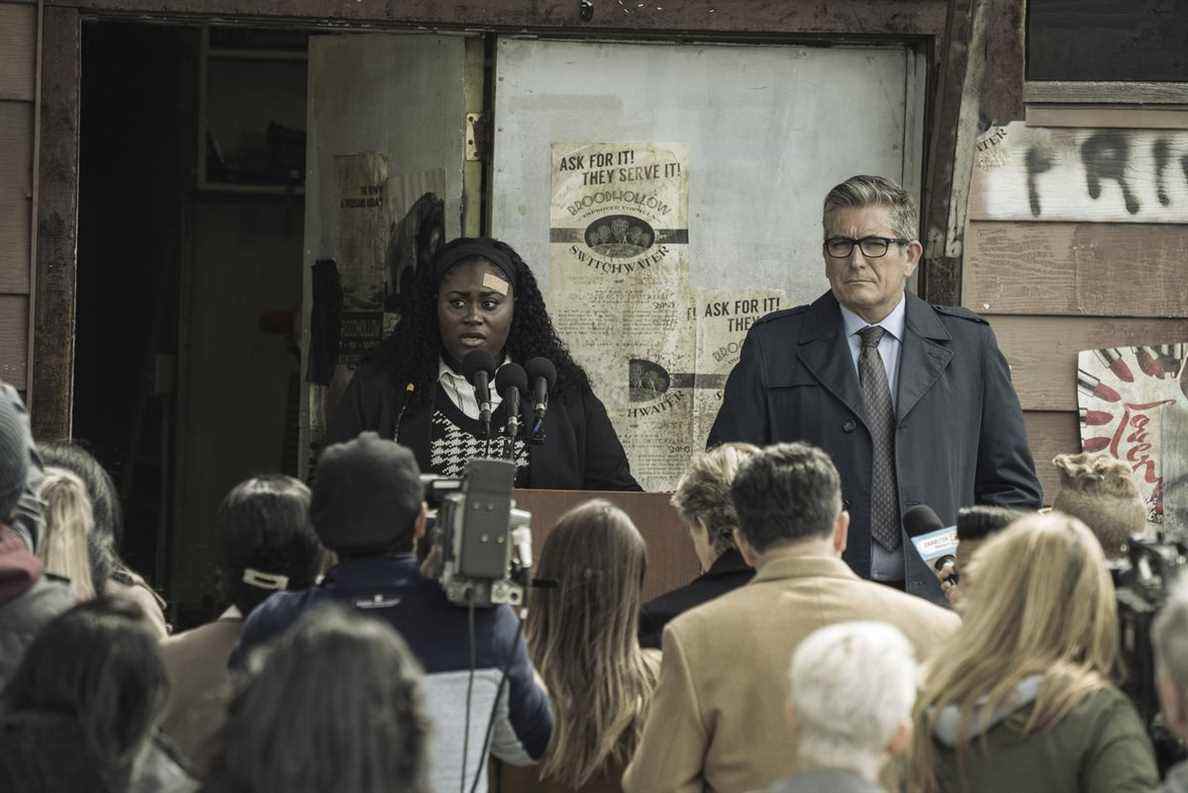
(457, 252)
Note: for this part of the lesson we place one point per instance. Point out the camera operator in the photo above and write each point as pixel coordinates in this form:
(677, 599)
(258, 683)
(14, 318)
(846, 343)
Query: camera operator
(368, 507)
(1169, 639)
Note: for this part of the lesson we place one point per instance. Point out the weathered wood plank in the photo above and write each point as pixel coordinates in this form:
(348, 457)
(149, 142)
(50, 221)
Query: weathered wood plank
(1107, 117)
(1050, 433)
(14, 347)
(945, 189)
(1101, 175)
(903, 17)
(16, 184)
(18, 43)
(57, 226)
(1003, 90)
(1042, 351)
(1108, 92)
(1087, 269)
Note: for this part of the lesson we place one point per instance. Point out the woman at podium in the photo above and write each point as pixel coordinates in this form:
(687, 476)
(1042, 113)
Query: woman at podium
(479, 295)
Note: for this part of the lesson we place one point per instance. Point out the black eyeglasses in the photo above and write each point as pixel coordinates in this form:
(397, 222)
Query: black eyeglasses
(871, 247)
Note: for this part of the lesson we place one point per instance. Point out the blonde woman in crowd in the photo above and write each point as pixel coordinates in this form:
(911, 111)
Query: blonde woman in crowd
(702, 499)
(68, 521)
(582, 636)
(1019, 700)
(110, 574)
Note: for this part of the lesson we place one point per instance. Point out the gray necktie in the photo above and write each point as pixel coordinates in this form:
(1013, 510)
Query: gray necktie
(880, 419)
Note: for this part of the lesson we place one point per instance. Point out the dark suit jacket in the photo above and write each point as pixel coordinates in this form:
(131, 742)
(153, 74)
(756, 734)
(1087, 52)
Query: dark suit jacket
(959, 437)
(581, 450)
(728, 572)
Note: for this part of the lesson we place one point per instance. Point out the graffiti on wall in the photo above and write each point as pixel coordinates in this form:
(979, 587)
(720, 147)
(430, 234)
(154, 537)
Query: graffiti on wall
(1109, 175)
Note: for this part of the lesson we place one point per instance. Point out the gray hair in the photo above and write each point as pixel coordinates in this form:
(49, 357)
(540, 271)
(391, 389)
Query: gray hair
(852, 685)
(703, 492)
(1169, 635)
(865, 191)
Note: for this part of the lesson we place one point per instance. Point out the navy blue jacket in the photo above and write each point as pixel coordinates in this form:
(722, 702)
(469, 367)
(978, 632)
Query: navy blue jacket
(393, 589)
(959, 436)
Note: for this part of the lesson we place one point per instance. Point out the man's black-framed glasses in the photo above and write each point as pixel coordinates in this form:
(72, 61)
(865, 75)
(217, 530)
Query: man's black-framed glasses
(871, 247)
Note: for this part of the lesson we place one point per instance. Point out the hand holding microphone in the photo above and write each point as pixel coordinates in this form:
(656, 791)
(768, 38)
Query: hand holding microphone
(937, 545)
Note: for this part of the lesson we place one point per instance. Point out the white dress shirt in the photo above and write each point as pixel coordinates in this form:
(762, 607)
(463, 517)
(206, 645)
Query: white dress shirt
(884, 565)
(461, 392)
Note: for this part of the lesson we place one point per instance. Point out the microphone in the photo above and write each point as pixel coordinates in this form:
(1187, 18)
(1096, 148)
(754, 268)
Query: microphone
(921, 520)
(478, 366)
(543, 376)
(510, 382)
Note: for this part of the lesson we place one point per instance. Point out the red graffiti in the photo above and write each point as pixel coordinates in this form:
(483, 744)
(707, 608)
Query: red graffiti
(1137, 454)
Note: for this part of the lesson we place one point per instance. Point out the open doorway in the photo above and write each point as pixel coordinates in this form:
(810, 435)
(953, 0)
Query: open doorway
(189, 279)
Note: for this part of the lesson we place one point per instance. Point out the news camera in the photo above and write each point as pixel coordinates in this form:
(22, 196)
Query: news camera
(480, 544)
(1142, 581)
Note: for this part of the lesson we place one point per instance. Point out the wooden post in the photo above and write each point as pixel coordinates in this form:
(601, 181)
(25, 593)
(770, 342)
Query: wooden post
(57, 225)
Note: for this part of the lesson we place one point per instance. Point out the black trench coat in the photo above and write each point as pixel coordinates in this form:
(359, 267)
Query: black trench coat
(959, 436)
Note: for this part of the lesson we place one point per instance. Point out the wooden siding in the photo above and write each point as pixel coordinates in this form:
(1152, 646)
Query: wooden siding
(1082, 269)
(14, 325)
(17, 51)
(1077, 240)
(18, 37)
(16, 185)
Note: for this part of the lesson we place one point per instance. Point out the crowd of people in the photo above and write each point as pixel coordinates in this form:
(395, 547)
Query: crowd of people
(338, 665)
(816, 653)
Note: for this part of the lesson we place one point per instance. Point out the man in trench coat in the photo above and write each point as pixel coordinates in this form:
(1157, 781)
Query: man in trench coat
(952, 434)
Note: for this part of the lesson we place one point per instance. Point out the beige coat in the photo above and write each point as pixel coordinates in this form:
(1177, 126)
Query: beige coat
(200, 686)
(719, 720)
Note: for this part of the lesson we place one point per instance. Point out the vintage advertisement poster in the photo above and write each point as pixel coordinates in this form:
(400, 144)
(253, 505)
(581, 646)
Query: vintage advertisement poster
(361, 251)
(723, 319)
(1128, 399)
(389, 226)
(619, 292)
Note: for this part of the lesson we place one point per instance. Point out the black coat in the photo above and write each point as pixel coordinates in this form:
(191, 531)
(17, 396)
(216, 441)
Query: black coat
(728, 572)
(581, 450)
(959, 436)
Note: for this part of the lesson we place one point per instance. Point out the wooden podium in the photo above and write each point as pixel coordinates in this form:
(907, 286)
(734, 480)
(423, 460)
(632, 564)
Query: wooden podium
(671, 561)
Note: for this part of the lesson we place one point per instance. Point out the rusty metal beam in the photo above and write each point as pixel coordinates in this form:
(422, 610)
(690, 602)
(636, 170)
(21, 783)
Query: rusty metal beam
(57, 225)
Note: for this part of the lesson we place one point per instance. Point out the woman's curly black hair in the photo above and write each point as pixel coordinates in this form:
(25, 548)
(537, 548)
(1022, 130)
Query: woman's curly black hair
(410, 354)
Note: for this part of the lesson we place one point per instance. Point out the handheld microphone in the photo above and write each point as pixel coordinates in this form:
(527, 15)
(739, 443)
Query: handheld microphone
(543, 376)
(921, 520)
(510, 382)
(478, 366)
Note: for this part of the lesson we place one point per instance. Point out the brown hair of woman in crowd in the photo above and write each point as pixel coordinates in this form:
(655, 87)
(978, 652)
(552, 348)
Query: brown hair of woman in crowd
(582, 636)
(1041, 603)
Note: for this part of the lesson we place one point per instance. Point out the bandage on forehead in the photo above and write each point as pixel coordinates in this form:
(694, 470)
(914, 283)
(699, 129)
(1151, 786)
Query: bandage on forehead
(454, 254)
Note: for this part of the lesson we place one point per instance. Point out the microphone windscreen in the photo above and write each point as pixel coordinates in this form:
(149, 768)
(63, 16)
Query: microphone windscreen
(542, 367)
(511, 375)
(478, 361)
(920, 519)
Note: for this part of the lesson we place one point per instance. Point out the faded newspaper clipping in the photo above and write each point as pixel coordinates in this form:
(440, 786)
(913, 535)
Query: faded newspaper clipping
(658, 352)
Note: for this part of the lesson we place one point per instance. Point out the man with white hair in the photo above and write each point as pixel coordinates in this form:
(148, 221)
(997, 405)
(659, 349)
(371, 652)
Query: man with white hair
(1169, 636)
(852, 687)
